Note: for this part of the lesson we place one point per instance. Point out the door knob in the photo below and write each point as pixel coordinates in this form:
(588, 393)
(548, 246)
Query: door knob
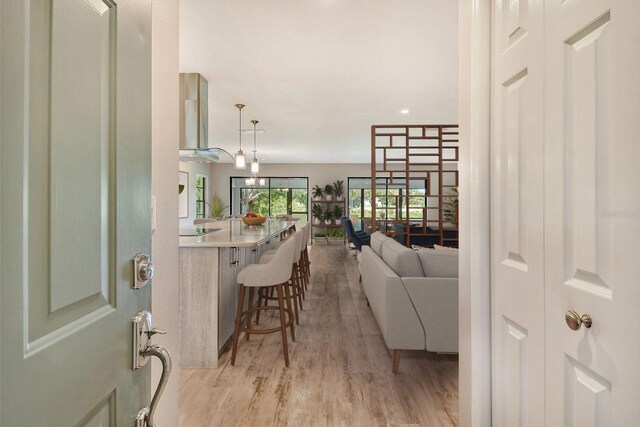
(143, 270)
(575, 321)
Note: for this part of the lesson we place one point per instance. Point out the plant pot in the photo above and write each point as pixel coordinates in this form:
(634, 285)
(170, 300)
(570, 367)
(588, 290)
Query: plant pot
(317, 221)
(328, 198)
(328, 222)
(339, 198)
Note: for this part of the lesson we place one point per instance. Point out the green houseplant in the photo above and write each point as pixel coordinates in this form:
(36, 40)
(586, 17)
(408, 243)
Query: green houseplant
(338, 189)
(216, 207)
(317, 193)
(317, 213)
(337, 212)
(328, 217)
(328, 192)
(450, 206)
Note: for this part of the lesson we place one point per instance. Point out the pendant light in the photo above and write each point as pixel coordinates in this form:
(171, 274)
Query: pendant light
(255, 166)
(241, 162)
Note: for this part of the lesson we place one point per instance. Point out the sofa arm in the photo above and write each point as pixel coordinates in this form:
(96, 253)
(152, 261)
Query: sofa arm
(390, 303)
(436, 301)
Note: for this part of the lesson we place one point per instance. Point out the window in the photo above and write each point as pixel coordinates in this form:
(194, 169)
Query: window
(201, 196)
(391, 199)
(278, 196)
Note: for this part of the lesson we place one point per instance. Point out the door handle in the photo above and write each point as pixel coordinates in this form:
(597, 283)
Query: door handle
(145, 415)
(143, 350)
(575, 321)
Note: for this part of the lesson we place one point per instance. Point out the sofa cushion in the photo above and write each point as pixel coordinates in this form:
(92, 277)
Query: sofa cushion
(445, 248)
(377, 239)
(438, 263)
(404, 261)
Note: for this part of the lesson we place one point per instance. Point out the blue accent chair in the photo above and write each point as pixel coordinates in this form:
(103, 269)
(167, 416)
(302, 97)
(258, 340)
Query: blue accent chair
(358, 238)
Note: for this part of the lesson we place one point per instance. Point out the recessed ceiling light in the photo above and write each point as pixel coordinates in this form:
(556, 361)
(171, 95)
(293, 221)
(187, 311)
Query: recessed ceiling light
(405, 111)
(263, 160)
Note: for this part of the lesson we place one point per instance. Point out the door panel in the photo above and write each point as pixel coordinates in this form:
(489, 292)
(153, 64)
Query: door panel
(517, 221)
(592, 211)
(75, 181)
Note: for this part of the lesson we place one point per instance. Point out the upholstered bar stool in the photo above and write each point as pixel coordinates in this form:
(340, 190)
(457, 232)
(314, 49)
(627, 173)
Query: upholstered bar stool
(266, 295)
(304, 257)
(273, 274)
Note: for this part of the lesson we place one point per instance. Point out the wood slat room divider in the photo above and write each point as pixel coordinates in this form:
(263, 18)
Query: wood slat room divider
(421, 163)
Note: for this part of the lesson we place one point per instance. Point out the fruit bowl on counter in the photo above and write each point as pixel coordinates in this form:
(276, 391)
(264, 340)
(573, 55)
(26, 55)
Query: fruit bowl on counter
(254, 219)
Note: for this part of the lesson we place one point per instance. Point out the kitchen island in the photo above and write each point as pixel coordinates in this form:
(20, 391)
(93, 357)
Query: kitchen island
(211, 256)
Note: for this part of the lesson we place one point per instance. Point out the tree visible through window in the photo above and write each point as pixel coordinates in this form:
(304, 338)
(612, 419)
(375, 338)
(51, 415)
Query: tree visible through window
(279, 196)
(201, 196)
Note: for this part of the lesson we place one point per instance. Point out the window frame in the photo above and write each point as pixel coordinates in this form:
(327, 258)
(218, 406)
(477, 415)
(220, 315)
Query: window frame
(268, 187)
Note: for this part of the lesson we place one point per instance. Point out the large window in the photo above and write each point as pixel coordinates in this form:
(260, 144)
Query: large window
(201, 195)
(278, 196)
(391, 199)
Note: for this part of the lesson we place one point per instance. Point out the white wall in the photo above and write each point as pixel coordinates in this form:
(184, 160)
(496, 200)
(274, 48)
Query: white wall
(193, 169)
(164, 119)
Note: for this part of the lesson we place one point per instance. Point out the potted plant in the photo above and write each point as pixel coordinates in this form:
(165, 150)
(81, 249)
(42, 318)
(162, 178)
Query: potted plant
(319, 237)
(337, 212)
(335, 235)
(450, 206)
(328, 192)
(328, 217)
(338, 189)
(317, 193)
(216, 207)
(317, 213)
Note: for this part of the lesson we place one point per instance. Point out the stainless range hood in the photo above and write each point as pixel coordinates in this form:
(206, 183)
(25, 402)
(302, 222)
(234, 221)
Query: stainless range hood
(194, 119)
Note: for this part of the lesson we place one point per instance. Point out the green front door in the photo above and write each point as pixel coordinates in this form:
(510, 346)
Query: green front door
(75, 169)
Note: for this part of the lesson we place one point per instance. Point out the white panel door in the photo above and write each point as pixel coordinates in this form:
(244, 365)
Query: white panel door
(75, 208)
(517, 215)
(592, 211)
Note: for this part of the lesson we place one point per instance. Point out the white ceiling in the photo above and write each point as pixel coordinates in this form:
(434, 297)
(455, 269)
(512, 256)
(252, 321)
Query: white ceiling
(319, 73)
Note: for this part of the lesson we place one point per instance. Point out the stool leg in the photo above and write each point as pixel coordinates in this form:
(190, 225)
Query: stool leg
(283, 326)
(288, 308)
(295, 279)
(250, 315)
(259, 304)
(236, 332)
(293, 297)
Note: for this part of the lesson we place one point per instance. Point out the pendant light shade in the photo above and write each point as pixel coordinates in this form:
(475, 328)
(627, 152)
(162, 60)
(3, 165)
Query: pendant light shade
(255, 166)
(241, 162)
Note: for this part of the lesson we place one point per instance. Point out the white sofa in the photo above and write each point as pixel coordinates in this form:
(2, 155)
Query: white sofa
(413, 295)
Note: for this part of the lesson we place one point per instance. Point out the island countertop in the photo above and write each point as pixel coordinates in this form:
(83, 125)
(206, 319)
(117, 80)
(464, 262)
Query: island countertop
(234, 233)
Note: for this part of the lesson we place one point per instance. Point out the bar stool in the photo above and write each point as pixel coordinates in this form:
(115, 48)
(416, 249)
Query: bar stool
(297, 291)
(273, 274)
(304, 257)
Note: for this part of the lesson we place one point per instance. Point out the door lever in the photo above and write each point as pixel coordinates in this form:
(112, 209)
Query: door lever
(145, 416)
(155, 331)
(143, 350)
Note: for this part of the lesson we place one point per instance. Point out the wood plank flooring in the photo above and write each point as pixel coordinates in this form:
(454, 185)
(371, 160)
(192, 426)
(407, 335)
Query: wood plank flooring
(340, 371)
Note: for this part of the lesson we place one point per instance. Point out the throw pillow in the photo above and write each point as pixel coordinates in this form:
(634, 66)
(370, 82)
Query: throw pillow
(438, 263)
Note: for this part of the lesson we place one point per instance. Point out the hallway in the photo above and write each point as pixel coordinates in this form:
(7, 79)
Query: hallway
(340, 372)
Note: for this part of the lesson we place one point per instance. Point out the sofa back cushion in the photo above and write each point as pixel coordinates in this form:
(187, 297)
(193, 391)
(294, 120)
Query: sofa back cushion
(377, 239)
(404, 261)
(438, 263)
(445, 248)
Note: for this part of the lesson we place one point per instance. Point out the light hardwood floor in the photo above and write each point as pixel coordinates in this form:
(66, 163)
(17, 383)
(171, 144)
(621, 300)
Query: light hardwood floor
(340, 372)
